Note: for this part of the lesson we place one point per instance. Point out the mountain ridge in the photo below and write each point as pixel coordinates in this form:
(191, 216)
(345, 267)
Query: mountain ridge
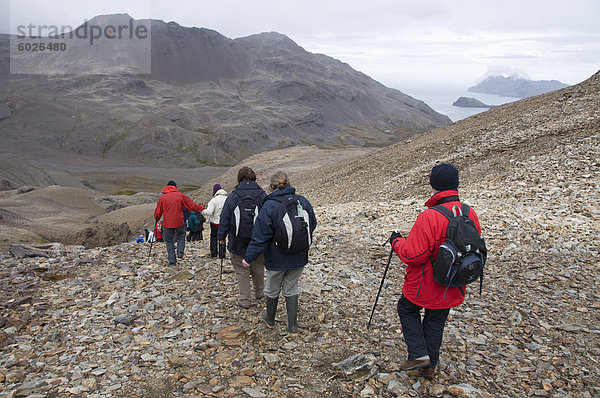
(210, 100)
(515, 86)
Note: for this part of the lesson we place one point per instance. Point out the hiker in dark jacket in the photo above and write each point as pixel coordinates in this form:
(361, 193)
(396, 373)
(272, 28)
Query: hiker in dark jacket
(283, 269)
(195, 226)
(246, 187)
(424, 337)
(170, 208)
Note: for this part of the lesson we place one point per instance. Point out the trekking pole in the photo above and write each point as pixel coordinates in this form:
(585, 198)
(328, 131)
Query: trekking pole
(381, 285)
(153, 240)
(221, 253)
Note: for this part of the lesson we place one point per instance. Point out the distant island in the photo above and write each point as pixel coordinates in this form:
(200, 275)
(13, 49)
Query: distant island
(514, 86)
(468, 102)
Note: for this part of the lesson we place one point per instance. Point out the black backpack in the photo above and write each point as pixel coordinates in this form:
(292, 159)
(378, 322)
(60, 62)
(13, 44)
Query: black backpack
(292, 226)
(462, 256)
(242, 223)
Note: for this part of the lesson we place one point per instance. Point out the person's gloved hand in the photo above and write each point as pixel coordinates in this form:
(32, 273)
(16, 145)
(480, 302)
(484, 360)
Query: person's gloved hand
(395, 235)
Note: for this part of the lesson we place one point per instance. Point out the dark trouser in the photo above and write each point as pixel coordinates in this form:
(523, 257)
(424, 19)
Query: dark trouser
(171, 235)
(422, 337)
(194, 236)
(214, 244)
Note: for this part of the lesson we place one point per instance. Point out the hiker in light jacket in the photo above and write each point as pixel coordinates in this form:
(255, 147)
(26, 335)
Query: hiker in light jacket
(424, 337)
(246, 187)
(283, 269)
(213, 213)
(170, 208)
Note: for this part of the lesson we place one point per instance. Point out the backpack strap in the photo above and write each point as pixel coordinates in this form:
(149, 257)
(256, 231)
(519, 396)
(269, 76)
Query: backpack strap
(465, 209)
(445, 211)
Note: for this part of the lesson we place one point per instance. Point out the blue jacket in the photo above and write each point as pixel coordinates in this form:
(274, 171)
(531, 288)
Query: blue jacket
(242, 189)
(264, 231)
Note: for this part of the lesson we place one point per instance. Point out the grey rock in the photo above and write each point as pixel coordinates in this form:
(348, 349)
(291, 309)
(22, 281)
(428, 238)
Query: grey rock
(357, 367)
(125, 319)
(25, 189)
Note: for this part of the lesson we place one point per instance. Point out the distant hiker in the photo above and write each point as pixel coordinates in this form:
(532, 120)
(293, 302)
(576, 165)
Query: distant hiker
(195, 226)
(213, 212)
(237, 221)
(283, 230)
(419, 250)
(158, 232)
(169, 207)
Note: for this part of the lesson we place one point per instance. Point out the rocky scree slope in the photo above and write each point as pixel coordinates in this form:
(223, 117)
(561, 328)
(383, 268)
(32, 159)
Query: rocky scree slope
(117, 322)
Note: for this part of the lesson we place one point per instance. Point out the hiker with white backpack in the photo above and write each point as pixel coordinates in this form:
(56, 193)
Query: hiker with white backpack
(424, 251)
(237, 222)
(283, 230)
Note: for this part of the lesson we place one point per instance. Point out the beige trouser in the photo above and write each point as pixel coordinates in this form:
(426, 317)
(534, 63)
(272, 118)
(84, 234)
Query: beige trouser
(257, 271)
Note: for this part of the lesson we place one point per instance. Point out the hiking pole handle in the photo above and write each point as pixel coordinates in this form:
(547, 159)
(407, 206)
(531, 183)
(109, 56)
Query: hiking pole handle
(380, 286)
(395, 234)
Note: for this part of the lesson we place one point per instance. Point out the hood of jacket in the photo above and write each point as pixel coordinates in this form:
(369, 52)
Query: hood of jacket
(289, 190)
(221, 192)
(439, 196)
(169, 189)
(247, 185)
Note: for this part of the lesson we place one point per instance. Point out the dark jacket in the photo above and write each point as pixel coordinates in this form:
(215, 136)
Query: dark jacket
(195, 222)
(420, 246)
(242, 189)
(170, 207)
(264, 231)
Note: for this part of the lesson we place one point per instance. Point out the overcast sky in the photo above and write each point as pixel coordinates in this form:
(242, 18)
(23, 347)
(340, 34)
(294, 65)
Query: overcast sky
(399, 43)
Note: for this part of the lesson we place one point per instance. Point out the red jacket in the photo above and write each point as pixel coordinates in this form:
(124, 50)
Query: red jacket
(169, 207)
(422, 243)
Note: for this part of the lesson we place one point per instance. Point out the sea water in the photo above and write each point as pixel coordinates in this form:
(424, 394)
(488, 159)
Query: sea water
(441, 100)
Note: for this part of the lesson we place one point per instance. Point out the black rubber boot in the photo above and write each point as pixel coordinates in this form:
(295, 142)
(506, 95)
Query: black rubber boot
(291, 304)
(268, 314)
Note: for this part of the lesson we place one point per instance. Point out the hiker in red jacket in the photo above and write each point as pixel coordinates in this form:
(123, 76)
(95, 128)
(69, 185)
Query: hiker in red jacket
(424, 337)
(170, 208)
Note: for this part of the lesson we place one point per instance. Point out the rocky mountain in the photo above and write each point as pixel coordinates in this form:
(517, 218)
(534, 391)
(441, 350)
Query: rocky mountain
(468, 102)
(209, 100)
(117, 321)
(515, 86)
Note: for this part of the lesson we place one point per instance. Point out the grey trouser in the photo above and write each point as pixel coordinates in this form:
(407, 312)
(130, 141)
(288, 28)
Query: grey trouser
(256, 270)
(174, 234)
(285, 281)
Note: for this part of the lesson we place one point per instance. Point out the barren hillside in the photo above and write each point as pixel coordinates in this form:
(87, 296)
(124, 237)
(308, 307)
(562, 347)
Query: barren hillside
(116, 321)
(210, 100)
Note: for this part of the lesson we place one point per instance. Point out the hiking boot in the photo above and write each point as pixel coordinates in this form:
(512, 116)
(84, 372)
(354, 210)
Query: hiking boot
(427, 372)
(413, 364)
(268, 314)
(291, 304)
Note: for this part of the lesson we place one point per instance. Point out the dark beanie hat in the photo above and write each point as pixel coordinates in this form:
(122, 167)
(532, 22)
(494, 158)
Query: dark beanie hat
(172, 183)
(443, 177)
(216, 187)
